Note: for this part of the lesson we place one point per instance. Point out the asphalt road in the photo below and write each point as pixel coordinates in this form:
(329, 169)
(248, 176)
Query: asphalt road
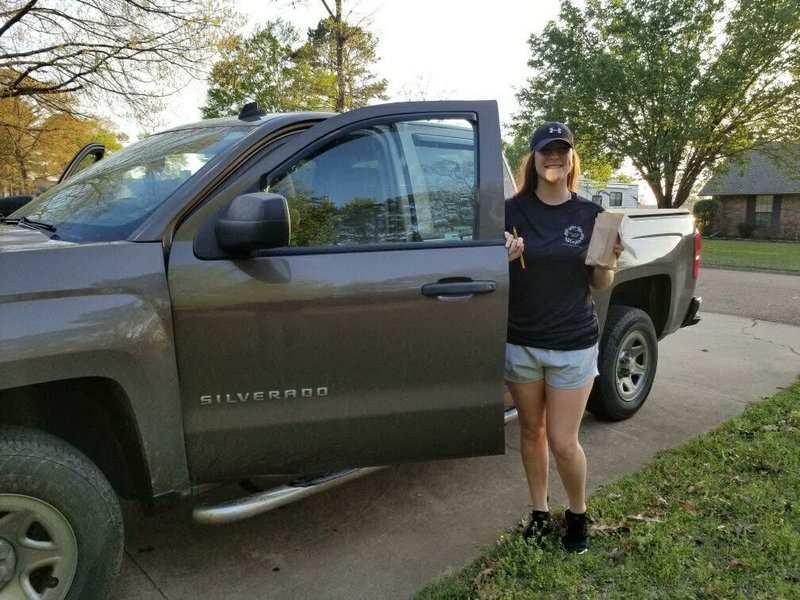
(752, 294)
(390, 534)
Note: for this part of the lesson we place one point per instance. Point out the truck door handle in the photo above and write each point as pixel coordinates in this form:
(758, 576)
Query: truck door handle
(457, 290)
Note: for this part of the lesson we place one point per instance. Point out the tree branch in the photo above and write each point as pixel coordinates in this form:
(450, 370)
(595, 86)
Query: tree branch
(17, 17)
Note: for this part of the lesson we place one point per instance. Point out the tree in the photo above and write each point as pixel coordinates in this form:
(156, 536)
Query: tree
(125, 50)
(17, 139)
(674, 85)
(347, 52)
(62, 135)
(267, 67)
(35, 145)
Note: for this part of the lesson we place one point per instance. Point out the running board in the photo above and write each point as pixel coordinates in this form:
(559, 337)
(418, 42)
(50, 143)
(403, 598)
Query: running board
(509, 414)
(261, 502)
(255, 504)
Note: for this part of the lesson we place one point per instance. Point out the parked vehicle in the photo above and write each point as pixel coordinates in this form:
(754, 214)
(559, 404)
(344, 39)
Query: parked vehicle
(305, 297)
(9, 204)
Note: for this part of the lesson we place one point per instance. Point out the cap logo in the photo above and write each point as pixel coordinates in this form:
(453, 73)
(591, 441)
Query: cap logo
(554, 130)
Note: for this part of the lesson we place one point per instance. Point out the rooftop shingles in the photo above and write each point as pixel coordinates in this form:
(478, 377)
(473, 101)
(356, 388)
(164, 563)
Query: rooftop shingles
(758, 175)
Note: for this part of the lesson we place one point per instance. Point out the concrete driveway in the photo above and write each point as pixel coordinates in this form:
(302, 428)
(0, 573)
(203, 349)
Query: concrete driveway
(390, 534)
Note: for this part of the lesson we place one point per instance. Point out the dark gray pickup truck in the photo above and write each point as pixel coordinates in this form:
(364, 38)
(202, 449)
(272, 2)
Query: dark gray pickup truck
(298, 298)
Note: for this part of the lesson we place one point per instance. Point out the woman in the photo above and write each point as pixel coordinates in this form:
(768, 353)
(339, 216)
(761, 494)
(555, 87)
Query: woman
(551, 350)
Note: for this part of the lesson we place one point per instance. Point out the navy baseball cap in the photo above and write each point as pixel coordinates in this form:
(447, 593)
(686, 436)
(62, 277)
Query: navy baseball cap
(551, 132)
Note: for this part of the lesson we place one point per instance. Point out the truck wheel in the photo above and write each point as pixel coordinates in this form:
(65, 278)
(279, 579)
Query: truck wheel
(627, 364)
(60, 521)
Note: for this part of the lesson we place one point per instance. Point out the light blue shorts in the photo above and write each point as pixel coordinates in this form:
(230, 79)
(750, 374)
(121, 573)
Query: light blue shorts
(562, 369)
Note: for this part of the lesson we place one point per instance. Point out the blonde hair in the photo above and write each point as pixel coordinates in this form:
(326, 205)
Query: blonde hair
(527, 177)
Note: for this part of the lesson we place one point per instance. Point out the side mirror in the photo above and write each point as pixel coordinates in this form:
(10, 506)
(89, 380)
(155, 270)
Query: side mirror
(253, 222)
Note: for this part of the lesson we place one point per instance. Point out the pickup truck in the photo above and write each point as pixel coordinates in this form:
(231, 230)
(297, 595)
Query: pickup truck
(300, 298)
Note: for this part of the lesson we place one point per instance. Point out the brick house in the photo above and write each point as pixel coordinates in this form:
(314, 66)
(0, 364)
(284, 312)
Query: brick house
(757, 192)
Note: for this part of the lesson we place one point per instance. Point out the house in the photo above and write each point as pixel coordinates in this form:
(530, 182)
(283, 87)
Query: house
(757, 195)
(612, 194)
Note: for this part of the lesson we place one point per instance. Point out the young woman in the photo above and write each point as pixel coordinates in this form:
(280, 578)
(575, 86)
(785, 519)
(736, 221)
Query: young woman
(551, 350)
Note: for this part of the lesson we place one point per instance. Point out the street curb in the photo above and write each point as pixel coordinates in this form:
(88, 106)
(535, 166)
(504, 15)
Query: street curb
(750, 269)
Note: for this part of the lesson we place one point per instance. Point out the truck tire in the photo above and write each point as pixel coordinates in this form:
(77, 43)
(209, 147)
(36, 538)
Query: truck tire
(61, 533)
(627, 364)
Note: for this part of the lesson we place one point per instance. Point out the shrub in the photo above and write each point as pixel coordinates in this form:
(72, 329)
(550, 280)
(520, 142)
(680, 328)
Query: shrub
(765, 232)
(746, 230)
(707, 215)
(791, 227)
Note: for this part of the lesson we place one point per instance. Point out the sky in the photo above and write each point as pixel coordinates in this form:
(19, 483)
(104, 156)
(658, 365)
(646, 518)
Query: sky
(428, 49)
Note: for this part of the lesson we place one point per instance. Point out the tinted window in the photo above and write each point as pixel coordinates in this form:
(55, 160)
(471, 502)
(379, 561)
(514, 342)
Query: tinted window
(392, 183)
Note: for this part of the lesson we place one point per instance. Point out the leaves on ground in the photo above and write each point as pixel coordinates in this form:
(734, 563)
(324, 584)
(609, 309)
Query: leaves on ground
(713, 518)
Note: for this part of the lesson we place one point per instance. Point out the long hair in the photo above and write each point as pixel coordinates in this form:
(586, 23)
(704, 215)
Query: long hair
(527, 177)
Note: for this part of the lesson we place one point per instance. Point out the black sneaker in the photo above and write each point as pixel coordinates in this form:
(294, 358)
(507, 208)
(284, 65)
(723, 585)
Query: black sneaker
(540, 526)
(576, 539)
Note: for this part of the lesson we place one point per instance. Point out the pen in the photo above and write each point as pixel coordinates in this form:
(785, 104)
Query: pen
(521, 257)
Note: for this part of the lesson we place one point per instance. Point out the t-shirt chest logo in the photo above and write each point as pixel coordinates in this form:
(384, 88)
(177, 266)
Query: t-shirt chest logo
(573, 235)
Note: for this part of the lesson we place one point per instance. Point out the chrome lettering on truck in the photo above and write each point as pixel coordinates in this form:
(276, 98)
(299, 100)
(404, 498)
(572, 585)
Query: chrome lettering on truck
(259, 396)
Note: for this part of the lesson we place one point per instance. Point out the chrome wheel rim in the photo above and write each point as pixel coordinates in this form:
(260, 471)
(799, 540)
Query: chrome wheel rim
(633, 365)
(41, 546)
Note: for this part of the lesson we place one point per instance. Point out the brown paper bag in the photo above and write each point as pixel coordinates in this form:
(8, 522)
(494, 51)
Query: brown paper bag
(604, 237)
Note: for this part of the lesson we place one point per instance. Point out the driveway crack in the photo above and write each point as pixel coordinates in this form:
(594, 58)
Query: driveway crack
(146, 574)
(755, 337)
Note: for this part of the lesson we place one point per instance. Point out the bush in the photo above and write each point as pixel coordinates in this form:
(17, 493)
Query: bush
(791, 228)
(767, 233)
(707, 214)
(746, 230)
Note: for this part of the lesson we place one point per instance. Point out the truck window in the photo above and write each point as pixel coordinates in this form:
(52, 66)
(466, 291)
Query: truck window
(399, 182)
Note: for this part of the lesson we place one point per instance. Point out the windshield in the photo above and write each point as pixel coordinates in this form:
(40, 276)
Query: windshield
(110, 199)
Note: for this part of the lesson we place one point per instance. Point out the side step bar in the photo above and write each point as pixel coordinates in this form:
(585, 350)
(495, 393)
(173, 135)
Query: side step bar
(255, 504)
(260, 502)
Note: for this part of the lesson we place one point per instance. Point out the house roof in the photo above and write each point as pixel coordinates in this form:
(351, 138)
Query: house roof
(757, 173)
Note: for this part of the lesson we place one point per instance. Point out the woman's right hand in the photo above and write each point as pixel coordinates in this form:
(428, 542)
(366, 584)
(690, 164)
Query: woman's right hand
(515, 246)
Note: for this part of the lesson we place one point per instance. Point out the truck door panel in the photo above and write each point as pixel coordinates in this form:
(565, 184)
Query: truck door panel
(327, 354)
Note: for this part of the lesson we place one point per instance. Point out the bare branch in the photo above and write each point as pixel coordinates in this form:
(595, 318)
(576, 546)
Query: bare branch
(136, 50)
(16, 18)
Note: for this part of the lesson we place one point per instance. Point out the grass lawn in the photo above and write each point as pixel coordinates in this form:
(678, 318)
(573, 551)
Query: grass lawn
(718, 517)
(751, 254)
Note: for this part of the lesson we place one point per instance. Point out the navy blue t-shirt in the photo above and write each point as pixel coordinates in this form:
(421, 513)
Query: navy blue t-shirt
(550, 305)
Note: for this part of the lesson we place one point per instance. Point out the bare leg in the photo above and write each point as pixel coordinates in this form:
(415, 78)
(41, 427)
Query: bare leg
(529, 400)
(564, 413)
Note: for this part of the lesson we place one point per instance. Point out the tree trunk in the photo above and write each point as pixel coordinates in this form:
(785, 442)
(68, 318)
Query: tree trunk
(340, 39)
(661, 200)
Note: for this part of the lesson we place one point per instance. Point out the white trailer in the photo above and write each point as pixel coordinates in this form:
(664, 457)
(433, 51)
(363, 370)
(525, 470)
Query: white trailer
(611, 194)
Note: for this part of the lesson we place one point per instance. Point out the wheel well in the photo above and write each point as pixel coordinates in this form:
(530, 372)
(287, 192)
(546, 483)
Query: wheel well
(650, 294)
(91, 414)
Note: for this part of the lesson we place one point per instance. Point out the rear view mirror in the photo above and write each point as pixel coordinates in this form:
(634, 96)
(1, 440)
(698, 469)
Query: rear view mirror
(253, 222)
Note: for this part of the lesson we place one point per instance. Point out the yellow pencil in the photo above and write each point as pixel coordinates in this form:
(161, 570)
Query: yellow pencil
(521, 257)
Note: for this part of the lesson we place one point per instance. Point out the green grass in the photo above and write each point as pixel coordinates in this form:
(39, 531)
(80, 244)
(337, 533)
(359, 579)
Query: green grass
(718, 517)
(751, 254)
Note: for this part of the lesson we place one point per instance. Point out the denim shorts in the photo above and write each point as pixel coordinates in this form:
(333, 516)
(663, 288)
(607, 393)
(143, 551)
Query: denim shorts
(562, 369)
